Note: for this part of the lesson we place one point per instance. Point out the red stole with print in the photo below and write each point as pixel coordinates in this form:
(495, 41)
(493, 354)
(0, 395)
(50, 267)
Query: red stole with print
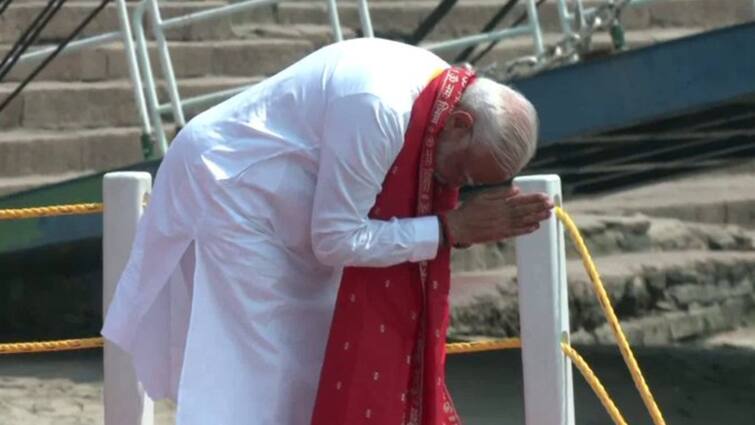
(385, 357)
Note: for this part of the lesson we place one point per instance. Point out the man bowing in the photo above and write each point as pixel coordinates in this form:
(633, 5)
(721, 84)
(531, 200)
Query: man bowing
(327, 193)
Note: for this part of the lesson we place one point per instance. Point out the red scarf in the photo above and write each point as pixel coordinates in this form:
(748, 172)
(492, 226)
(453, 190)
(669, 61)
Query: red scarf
(385, 358)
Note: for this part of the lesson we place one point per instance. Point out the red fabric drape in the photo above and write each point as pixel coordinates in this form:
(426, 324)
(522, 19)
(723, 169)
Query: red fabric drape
(385, 357)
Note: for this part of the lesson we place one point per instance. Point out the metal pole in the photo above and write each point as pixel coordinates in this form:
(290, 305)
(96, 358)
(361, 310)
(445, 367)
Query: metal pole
(537, 34)
(133, 68)
(72, 47)
(476, 39)
(149, 79)
(544, 314)
(335, 23)
(218, 12)
(364, 16)
(175, 22)
(563, 17)
(205, 99)
(166, 64)
(123, 195)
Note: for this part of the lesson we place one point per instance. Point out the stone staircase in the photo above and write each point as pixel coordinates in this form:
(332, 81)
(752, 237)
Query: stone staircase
(677, 259)
(78, 116)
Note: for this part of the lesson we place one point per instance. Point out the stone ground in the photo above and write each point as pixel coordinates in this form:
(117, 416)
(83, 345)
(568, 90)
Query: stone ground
(702, 382)
(692, 384)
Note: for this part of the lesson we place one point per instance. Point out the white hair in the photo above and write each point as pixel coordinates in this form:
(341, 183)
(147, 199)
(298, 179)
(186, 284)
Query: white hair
(505, 120)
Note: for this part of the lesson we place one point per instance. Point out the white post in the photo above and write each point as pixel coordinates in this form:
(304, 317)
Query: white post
(123, 195)
(544, 314)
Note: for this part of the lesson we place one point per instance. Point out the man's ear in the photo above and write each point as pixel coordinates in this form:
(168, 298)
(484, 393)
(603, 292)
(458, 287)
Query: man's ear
(461, 119)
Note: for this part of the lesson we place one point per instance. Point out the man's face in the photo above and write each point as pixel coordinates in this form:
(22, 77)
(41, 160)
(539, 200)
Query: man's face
(463, 161)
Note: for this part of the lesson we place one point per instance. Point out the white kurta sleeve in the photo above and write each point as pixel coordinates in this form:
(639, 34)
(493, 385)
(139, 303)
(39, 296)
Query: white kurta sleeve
(361, 140)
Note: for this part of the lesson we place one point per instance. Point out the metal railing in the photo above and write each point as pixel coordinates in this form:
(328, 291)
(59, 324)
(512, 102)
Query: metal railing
(30, 36)
(532, 28)
(571, 13)
(125, 36)
(176, 106)
(154, 140)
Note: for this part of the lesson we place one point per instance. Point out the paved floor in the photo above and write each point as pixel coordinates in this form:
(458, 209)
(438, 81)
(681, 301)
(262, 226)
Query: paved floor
(693, 386)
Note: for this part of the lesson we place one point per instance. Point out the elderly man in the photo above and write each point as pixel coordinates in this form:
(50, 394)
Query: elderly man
(318, 208)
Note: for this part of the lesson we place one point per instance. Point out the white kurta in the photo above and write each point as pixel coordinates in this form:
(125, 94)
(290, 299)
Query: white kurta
(226, 301)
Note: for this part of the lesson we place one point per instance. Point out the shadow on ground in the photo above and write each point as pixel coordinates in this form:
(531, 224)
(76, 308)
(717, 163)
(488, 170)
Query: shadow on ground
(693, 386)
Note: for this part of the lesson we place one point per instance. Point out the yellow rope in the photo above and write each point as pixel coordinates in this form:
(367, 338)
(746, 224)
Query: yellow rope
(595, 384)
(55, 210)
(626, 352)
(45, 346)
(579, 363)
(605, 303)
(455, 348)
(478, 346)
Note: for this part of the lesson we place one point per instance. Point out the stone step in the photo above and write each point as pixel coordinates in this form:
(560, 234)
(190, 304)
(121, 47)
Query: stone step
(614, 234)
(268, 48)
(601, 44)
(77, 105)
(20, 15)
(389, 17)
(706, 198)
(660, 297)
(401, 18)
(18, 184)
(245, 57)
(29, 153)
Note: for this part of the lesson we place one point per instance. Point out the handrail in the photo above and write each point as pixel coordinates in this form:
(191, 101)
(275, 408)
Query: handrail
(532, 28)
(490, 46)
(176, 105)
(160, 145)
(490, 26)
(335, 22)
(364, 18)
(136, 79)
(428, 24)
(144, 88)
(204, 99)
(473, 40)
(166, 63)
(123, 35)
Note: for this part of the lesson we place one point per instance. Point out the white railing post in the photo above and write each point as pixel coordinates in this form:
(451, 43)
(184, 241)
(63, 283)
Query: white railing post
(544, 314)
(123, 195)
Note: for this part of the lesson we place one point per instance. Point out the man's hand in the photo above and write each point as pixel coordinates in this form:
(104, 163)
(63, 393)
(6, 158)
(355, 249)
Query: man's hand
(498, 214)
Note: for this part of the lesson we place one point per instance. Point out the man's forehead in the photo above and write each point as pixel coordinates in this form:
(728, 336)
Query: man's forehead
(483, 166)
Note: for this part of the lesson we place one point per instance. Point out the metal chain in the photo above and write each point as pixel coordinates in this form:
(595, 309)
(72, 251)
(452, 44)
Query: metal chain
(568, 50)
